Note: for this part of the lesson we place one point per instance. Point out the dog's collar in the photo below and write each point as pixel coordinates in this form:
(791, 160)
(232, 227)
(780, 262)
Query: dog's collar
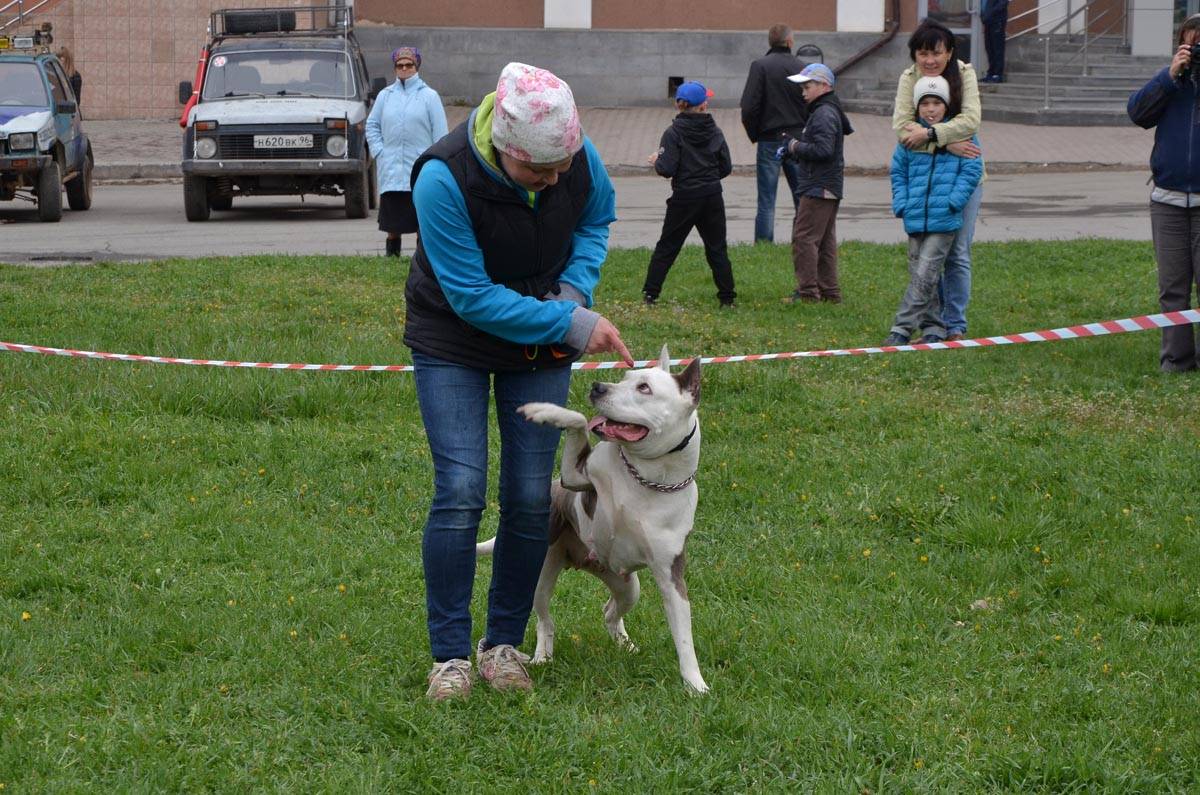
(685, 441)
(665, 488)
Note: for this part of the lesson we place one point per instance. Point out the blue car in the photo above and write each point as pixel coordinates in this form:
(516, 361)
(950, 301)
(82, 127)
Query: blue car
(42, 144)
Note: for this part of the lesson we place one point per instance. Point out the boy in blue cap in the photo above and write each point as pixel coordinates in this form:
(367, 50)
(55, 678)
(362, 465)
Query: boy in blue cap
(693, 153)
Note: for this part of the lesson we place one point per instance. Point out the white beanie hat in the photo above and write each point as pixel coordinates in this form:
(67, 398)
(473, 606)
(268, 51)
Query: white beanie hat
(935, 86)
(535, 119)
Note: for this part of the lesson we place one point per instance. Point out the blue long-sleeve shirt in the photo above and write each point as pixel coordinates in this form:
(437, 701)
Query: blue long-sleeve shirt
(457, 260)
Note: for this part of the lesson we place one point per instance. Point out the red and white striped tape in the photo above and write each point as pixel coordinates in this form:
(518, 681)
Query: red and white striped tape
(1139, 323)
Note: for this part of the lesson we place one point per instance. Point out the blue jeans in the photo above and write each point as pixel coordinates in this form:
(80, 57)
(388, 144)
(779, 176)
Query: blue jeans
(454, 408)
(766, 166)
(955, 287)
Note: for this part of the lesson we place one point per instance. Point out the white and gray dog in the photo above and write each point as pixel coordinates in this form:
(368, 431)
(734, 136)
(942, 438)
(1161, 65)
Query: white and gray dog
(629, 503)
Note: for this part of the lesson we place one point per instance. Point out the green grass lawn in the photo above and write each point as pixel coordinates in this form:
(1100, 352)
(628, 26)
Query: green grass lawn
(971, 570)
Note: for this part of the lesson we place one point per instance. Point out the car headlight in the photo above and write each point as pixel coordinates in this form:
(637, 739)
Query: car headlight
(20, 142)
(335, 145)
(206, 147)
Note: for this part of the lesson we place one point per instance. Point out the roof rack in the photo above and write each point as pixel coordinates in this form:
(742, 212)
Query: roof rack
(334, 19)
(34, 42)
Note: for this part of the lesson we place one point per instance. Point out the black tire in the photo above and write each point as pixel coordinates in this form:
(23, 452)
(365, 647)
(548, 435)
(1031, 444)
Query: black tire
(221, 201)
(357, 190)
(79, 190)
(372, 187)
(195, 197)
(49, 193)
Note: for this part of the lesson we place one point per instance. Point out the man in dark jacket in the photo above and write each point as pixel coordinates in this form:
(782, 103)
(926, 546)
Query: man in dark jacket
(693, 153)
(818, 151)
(771, 107)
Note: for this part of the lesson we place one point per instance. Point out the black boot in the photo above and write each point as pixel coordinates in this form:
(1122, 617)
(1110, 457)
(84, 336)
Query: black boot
(393, 246)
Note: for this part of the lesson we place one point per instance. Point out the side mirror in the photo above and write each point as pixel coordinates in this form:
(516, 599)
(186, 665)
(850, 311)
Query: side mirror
(185, 92)
(377, 85)
(65, 107)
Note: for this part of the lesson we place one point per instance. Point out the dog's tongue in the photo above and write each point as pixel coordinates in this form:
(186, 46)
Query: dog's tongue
(626, 432)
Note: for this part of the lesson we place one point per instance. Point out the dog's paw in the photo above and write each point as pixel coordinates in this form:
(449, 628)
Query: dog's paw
(551, 414)
(697, 687)
(539, 658)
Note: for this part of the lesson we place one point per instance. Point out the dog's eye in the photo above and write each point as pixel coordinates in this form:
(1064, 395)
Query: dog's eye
(644, 388)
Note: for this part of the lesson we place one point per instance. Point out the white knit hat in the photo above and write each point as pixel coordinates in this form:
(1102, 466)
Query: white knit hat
(935, 86)
(535, 119)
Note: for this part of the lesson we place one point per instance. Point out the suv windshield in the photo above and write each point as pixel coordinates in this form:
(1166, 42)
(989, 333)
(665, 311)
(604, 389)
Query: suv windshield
(313, 73)
(21, 84)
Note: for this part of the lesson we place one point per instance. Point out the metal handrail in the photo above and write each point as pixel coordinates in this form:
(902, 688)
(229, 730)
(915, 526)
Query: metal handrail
(22, 12)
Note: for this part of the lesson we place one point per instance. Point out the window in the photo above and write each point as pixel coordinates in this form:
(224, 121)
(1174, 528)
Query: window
(56, 84)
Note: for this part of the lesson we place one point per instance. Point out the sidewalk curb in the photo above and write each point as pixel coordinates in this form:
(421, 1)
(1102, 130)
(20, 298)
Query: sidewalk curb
(120, 172)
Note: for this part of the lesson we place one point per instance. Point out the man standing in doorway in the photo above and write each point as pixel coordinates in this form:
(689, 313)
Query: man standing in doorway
(771, 107)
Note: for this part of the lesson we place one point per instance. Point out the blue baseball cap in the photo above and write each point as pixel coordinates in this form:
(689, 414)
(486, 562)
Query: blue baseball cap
(814, 71)
(692, 93)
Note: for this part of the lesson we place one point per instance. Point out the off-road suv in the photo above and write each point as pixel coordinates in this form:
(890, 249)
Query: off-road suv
(279, 108)
(42, 144)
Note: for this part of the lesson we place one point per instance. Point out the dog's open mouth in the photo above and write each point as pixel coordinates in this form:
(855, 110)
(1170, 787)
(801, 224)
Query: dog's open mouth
(620, 431)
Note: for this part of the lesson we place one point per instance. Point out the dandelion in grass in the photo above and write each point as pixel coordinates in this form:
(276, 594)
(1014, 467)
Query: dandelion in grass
(232, 603)
(924, 558)
(1106, 668)
(291, 600)
(293, 634)
(866, 553)
(25, 616)
(341, 587)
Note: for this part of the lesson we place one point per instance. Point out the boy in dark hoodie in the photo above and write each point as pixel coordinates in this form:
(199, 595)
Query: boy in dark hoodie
(822, 167)
(693, 153)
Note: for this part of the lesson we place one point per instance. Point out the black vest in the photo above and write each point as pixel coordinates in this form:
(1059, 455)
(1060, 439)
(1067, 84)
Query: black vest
(525, 249)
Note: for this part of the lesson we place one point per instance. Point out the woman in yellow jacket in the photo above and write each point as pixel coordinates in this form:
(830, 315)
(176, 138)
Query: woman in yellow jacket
(932, 49)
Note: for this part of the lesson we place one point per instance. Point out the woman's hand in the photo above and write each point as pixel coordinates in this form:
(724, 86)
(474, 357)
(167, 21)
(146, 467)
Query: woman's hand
(1181, 61)
(605, 337)
(965, 149)
(915, 136)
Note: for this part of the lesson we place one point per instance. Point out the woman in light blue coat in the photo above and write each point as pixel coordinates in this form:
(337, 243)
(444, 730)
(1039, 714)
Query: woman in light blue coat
(407, 119)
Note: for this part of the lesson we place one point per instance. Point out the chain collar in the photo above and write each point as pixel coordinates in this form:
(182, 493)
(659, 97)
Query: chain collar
(665, 488)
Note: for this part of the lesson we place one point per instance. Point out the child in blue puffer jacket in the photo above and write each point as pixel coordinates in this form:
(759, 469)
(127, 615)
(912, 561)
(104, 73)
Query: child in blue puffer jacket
(929, 191)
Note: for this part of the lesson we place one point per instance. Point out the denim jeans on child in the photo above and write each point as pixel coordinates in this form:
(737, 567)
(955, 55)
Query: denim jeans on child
(454, 408)
(955, 287)
(920, 308)
(766, 165)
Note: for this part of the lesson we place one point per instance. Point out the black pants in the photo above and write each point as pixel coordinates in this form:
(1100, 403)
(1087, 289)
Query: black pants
(707, 215)
(993, 42)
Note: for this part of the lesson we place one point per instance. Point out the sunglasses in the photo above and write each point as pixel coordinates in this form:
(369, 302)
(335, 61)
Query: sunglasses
(406, 65)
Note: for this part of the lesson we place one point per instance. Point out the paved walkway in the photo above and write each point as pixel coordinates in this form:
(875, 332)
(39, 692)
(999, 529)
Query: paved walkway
(625, 136)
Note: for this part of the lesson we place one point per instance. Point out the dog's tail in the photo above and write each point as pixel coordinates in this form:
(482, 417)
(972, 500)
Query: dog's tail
(485, 549)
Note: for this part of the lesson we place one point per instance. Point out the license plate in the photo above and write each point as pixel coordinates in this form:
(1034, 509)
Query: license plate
(283, 141)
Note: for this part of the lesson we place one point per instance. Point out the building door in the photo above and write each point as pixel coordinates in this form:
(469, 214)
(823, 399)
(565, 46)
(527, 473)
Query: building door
(962, 17)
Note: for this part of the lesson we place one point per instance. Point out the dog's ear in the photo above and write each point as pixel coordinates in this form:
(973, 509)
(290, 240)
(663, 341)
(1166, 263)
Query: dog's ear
(689, 380)
(664, 358)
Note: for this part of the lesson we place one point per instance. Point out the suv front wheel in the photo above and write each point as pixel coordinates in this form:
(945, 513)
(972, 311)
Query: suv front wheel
(358, 187)
(195, 197)
(49, 193)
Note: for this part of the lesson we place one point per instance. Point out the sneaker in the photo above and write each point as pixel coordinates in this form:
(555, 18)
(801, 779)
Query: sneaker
(895, 339)
(727, 305)
(451, 679)
(649, 300)
(831, 299)
(798, 298)
(929, 339)
(503, 667)
(955, 336)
